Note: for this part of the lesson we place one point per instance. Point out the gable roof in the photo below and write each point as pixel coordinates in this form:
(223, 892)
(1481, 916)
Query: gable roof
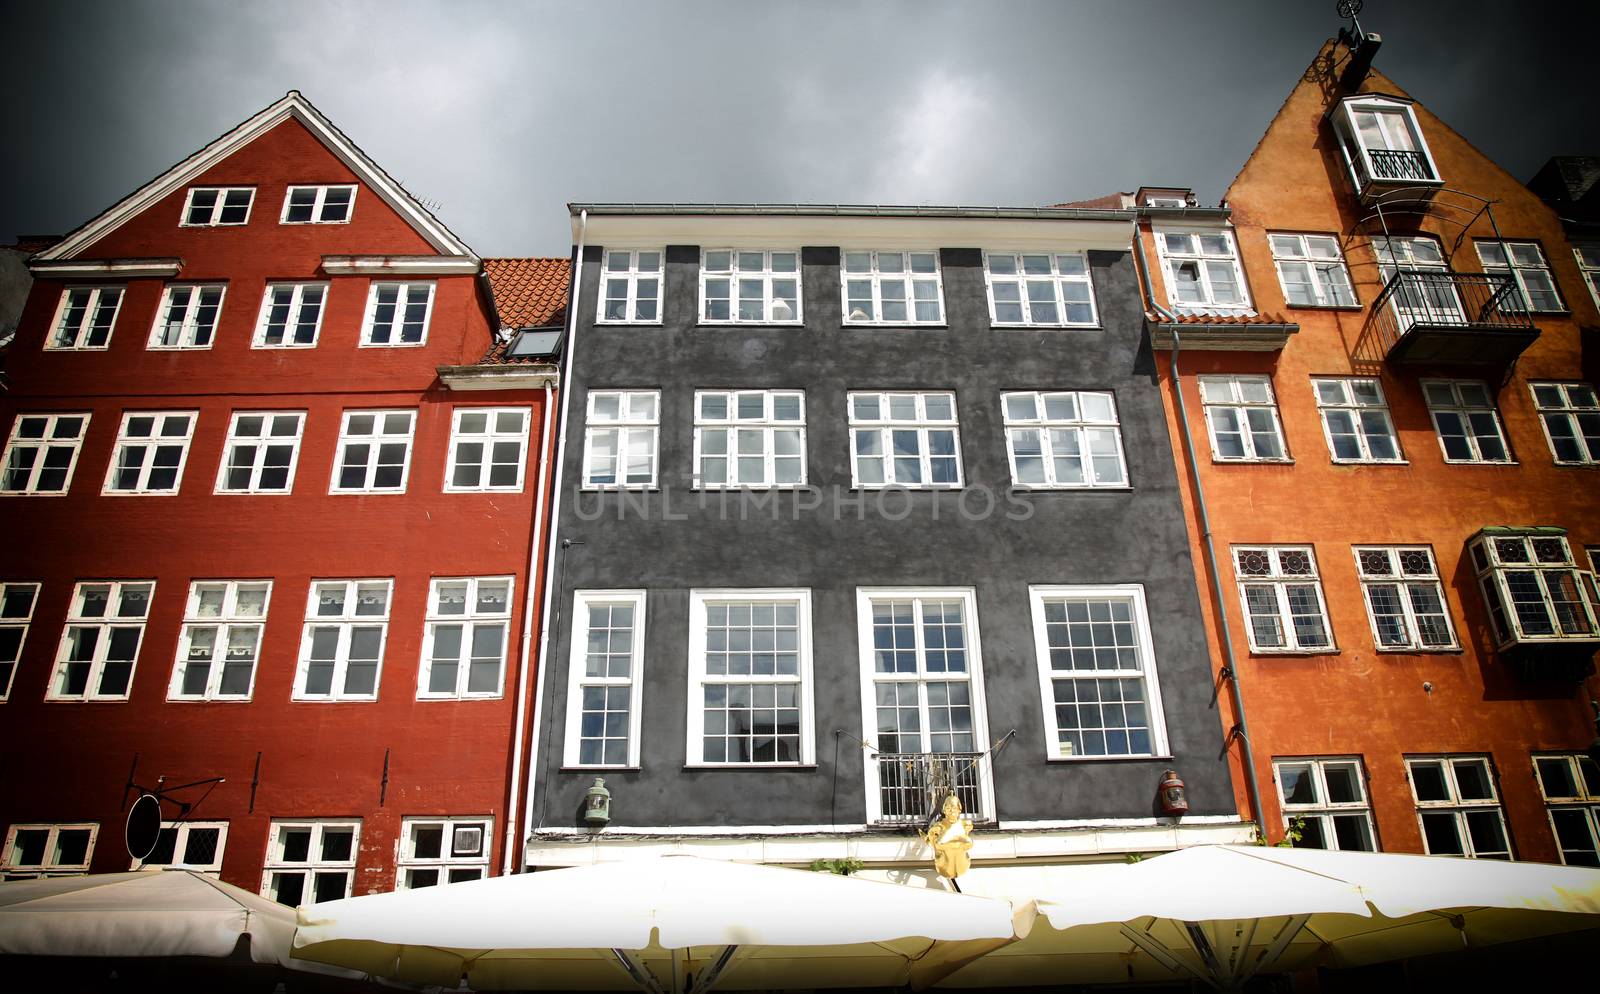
(529, 293)
(292, 105)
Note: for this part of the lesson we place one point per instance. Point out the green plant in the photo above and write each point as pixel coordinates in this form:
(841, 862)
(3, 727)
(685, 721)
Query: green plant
(1134, 857)
(843, 867)
(1292, 835)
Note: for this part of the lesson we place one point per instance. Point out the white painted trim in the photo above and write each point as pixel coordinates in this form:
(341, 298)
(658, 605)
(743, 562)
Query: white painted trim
(1114, 234)
(767, 424)
(403, 291)
(260, 442)
(397, 265)
(318, 202)
(577, 657)
(67, 269)
(496, 377)
(487, 438)
(374, 441)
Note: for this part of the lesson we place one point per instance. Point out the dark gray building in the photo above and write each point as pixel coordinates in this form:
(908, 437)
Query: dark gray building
(859, 507)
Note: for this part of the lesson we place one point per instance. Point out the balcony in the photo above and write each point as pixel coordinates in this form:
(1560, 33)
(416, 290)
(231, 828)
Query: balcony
(1426, 317)
(912, 786)
(1544, 611)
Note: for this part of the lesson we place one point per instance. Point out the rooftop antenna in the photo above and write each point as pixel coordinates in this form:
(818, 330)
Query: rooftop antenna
(1362, 45)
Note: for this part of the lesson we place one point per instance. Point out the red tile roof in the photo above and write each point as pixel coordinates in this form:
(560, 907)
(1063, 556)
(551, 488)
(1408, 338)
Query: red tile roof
(1214, 319)
(528, 293)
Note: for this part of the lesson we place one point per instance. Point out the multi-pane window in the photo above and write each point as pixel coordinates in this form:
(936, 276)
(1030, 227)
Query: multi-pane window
(486, 448)
(1533, 288)
(85, 318)
(318, 204)
(1064, 439)
(341, 650)
(187, 318)
(905, 440)
(1311, 270)
(750, 287)
(221, 640)
(1571, 788)
(1405, 601)
(397, 314)
(1329, 798)
(309, 862)
(1589, 265)
(16, 610)
(1097, 672)
(631, 287)
(1039, 289)
(291, 315)
(187, 845)
(603, 679)
(1355, 420)
(261, 451)
(1202, 269)
(619, 442)
(1458, 807)
(152, 447)
(750, 438)
(1383, 144)
(1242, 419)
(892, 288)
(374, 452)
(214, 206)
(1282, 598)
(1571, 416)
(1466, 420)
(436, 851)
(464, 649)
(100, 642)
(47, 850)
(1532, 586)
(42, 453)
(1426, 294)
(750, 677)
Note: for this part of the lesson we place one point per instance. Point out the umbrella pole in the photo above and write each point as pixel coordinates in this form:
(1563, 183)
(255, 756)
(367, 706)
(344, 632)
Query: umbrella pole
(708, 976)
(1280, 942)
(1160, 955)
(640, 975)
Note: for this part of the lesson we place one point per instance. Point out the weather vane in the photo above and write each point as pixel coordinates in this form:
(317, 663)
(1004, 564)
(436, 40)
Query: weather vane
(1352, 36)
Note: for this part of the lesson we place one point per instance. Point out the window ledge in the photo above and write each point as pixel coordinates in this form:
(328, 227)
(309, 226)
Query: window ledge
(1370, 462)
(873, 326)
(734, 488)
(391, 345)
(1018, 488)
(995, 326)
(177, 348)
(1251, 462)
(1481, 462)
(651, 489)
(564, 768)
(1110, 759)
(1444, 650)
(1576, 465)
(1324, 307)
(952, 488)
(365, 493)
(1279, 653)
(752, 767)
(628, 324)
(712, 325)
(458, 698)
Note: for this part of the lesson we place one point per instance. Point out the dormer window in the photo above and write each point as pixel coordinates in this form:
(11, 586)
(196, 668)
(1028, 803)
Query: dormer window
(319, 204)
(1383, 146)
(1535, 593)
(1202, 271)
(215, 206)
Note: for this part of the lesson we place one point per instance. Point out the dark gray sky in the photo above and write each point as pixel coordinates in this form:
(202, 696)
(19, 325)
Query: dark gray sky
(503, 112)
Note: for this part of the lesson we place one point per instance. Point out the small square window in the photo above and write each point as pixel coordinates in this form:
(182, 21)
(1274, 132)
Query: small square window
(397, 314)
(1242, 419)
(217, 206)
(291, 316)
(42, 452)
(487, 449)
(309, 862)
(374, 454)
(1355, 420)
(318, 204)
(187, 318)
(84, 319)
(47, 850)
(261, 452)
(151, 450)
(1312, 271)
(631, 287)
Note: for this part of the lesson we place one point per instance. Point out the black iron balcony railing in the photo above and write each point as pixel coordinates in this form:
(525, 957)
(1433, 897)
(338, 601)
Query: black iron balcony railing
(1390, 164)
(912, 785)
(1440, 316)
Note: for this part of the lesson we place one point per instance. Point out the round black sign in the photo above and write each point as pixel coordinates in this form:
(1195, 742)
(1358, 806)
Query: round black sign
(144, 826)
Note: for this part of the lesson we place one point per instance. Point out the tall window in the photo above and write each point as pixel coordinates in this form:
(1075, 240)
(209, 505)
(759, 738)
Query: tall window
(187, 845)
(892, 288)
(1242, 419)
(750, 678)
(486, 448)
(1064, 439)
(374, 452)
(187, 318)
(1589, 265)
(318, 204)
(260, 454)
(632, 287)
(436, 851)
(100, 642)
(85, 318)
(341, 650)
(16, 611)
(1282, 598)
(1330, 796)
(1097, 672)
(1355, 420)
(291, 316)
(215, 206)
(1311, 270)
(397, 314)
(221, 640)
(1571, 788)
(1202, 270)
(1533, 287)
(310, 861)
(1571, 416)
(1044, 289)
(152, 447)
(42, 452)
(1466, 420)
(47, 850)
(619, 444)
(750, 438)
(464, 651)
(905, 440)
(750, 287)
(604, 667)
(1405, 601)
(1458, 806)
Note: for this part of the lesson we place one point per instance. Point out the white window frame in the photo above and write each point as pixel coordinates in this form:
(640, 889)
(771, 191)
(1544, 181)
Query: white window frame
(907, 279)
(884, 426)
(1351, 139)
(1058, 279)
(1081, 425)
(1588, 258)
(470, 618)
(319, 203)
(1200, 259)
(230, 618)
(626, 426)
(1572, 407)
(490, 437)
(1131, 594)
(150, 444)
(732, 426)
(1585, 803)
(261, 444)
(12, 620)
(694, 741)
(404, 290)
(1322, 809)
(630, 277)
(1520, 271)
(1236, 402)
(180, 841)
(188, 324)
(1328, 276)
(1398, 576)
(224, 193)
(1464, 411)
(10, 869)
(1493, 569)
(406, 860)
(766, 276)
(1279, 580)
(1457, 808)
(104, 625)
(345, 623)
(375, 440)
(43, 445)
(81, 334)
(577, 678)
(309, 868)
(292, 319)
(1352, 403)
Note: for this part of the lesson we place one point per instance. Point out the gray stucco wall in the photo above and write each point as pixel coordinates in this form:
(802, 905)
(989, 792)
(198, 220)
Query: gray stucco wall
(1073, 537)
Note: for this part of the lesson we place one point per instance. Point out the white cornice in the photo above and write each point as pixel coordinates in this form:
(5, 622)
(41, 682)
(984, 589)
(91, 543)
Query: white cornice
(72, 269)
(856, 232)
(499, 377)
(398, 265)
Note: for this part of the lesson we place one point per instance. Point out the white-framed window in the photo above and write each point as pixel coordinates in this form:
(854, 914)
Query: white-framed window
(48, 850)
(1311, 270)
(1458, 806)
(291, 316)
(749, 438)
(100, 642)
(631, 287)
(619, 440)
(17, 601)
(261, 452)
(1097, 672)
(1570, 413)
(1039, 289)
(464, 643)
(749, 287)
(341, 650)
(904, 440)
(605, 665)
(487, 446)
(1355, 420)
(1570, 785)
(217, 206)
(1064, 439)
(84, 319)
(152, 448)
(1588, 257)
(435, 851)
(42, 452)
(891, 288)
(319, 204)
(1465, 418)
(187, 318)
(397, 314)
(310, 860)
(1534, 289)
(1382, 143)
(187, 845)
(1330, 795)
(1532, 586)
(1202, 270)
(374, 455)
(750, 688)
(1282, 598)
(1405, 601)
(221, 640)
(1242, 419)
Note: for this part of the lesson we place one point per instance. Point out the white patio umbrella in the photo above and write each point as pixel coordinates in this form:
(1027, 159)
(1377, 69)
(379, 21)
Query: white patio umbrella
(672, 922)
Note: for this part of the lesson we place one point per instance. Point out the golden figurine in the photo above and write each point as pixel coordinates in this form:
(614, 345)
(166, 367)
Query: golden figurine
(951, 839)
